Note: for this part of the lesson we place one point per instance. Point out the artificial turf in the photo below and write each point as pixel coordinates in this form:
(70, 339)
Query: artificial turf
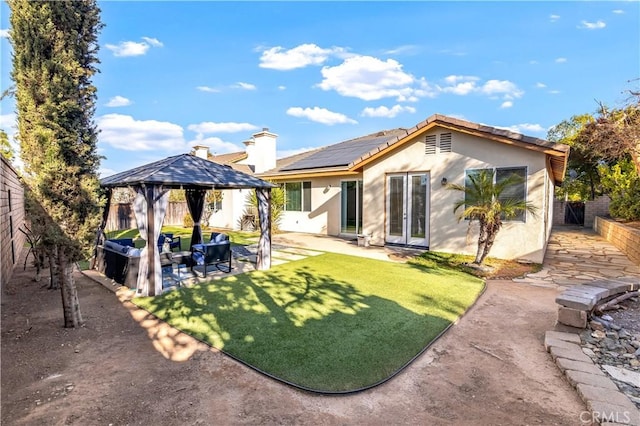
(331, 323)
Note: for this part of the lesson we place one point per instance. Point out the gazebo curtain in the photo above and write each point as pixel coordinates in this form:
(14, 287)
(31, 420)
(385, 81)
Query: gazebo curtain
(195, 204)
(150, 203)
(263, 261)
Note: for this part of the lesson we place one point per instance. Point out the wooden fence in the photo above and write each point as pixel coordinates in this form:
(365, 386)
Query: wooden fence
(11, 220)
(121, 215)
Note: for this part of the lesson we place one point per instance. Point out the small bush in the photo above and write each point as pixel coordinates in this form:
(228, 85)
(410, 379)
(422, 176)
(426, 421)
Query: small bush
(622, 183)
(187, 221)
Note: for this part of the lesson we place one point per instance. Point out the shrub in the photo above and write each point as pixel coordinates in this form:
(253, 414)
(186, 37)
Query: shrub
(622, 183)
(187, 220)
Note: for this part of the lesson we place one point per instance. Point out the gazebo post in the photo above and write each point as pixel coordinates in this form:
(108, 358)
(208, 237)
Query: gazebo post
(152, 245)
(100, 235)
(263, 261)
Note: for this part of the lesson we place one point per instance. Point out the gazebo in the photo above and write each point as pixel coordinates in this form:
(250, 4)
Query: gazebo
(195, 175)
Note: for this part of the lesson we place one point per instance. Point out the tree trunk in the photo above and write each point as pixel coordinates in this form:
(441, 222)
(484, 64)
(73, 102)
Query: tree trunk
(492, 231)
(482, 240)
(70, 303)
(54, 280)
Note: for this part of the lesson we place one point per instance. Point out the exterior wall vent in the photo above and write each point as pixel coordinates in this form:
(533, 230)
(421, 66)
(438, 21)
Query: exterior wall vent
(445, 142)
(430, 145)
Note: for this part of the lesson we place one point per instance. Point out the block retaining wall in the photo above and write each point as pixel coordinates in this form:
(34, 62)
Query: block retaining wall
(624, 237)
(11, 219)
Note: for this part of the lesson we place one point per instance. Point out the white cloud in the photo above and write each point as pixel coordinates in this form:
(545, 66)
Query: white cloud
(104, 172)
(134, 48)
(278, 58)
(370, 79)
(554, 18)
(118, 101)
(501, 87)
(561, 60)
(8, 123)
(618, 11)
(4, 33)
(406, 49)
(506, 104)
(463, 85)
(128, 48)
(282, 87)
(126, 133)
(540, 85)
(526, 128)
(554, 92)
(245, 86)
(216, 145)
(208, 89)
(383, 111)
(533, 62)
(460, 84)
(592, 25)
(320, 115)
(229, 127)
(153, 41)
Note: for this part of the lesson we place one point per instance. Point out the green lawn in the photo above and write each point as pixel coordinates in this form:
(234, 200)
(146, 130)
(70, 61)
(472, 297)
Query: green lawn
(330, 323)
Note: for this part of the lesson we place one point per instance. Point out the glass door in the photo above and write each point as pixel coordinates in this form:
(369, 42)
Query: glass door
(417, 208)
(407, 209)
(396, 209)
(351, 207)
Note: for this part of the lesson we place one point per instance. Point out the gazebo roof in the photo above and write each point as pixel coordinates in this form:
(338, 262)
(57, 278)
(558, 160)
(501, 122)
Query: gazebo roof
(185, 171)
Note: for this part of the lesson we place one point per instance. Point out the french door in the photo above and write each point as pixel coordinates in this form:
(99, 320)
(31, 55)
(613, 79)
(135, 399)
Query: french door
(408, 209)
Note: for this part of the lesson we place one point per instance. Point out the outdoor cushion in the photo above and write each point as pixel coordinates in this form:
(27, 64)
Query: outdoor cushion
(112, 245)
(218, 237)
(123, 241)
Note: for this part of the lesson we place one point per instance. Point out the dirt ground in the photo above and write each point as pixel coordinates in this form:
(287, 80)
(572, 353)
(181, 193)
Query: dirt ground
(126, 368)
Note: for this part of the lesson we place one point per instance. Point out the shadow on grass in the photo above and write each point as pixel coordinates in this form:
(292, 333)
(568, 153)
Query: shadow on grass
(309, 328)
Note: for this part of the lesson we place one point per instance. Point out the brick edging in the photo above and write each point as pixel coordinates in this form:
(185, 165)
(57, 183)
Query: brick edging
(602, 397)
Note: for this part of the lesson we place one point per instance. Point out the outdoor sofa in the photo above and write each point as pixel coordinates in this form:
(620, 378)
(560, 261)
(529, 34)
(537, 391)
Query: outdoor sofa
(119, 260)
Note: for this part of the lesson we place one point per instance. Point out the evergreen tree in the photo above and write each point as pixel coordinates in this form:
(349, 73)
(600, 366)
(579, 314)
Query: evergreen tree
(5, 146)
(55, 46)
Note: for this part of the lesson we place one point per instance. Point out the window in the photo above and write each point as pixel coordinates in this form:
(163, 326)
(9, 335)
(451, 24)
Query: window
(297, 196)
(516, 190)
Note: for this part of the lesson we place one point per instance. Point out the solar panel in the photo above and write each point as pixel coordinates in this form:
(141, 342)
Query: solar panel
(340, 154)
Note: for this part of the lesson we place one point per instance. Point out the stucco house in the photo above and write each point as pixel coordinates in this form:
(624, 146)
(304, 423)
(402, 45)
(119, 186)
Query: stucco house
(391, 185)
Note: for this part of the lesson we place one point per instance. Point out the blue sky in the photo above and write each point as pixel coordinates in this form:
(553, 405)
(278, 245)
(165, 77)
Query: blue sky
(177, 74)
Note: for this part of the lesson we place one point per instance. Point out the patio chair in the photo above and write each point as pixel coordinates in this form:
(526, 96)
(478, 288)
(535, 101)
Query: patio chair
(174, 242)
(213, 253)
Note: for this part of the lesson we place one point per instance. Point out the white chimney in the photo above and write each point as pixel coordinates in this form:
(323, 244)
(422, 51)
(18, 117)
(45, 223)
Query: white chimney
(202, 151)
(261, 154)
(250, 146)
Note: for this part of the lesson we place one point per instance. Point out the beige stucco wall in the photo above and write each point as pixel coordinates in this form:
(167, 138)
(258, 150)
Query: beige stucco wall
(233, 207)
(324, 217)
(515, 240)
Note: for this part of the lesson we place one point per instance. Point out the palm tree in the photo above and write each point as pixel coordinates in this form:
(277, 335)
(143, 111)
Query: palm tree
(485, 201)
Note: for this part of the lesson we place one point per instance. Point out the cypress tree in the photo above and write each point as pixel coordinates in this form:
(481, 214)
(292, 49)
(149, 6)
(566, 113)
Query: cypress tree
(55, 45)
